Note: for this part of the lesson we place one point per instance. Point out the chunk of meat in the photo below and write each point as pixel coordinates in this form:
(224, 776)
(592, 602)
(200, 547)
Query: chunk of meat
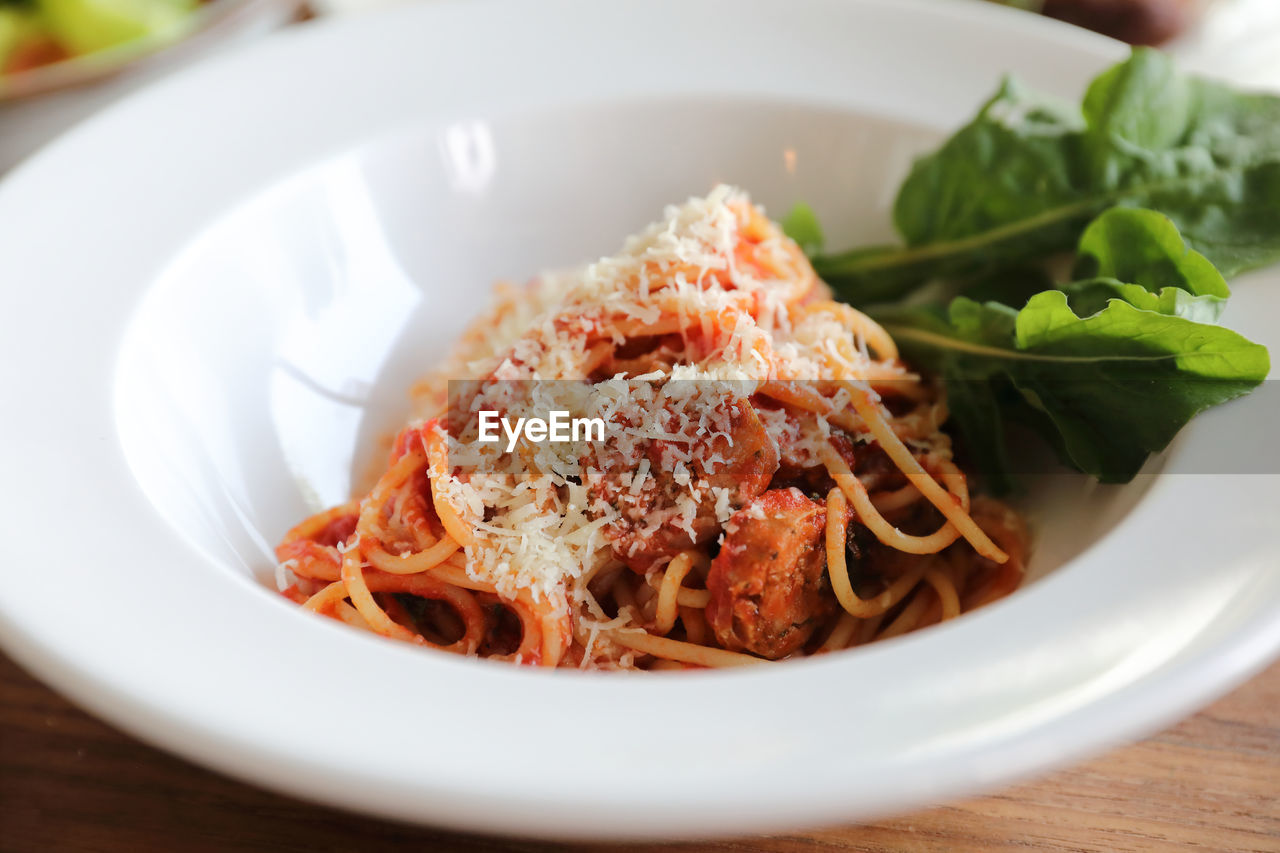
(670, 513)
(767, 584)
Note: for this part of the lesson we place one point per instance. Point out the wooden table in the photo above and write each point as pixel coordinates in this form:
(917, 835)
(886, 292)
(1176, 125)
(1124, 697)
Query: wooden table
(69, 782)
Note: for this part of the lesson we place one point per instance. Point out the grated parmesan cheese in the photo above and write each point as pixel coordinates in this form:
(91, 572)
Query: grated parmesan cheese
(543, 523)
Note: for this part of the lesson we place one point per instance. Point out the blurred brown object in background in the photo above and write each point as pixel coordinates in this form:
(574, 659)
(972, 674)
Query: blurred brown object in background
(1134, 21)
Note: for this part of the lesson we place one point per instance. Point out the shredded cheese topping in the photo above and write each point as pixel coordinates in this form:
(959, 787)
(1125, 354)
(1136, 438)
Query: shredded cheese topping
(543, 515)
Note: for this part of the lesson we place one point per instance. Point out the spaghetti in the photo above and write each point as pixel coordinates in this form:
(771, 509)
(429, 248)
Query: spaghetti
(776, 483)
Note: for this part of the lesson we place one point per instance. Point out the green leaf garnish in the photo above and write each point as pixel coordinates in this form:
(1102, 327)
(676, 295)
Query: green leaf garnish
(801, 224)
(1028, 173)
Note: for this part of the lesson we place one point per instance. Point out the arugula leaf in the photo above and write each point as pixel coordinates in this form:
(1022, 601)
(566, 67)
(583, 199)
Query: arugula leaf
(977, 396)
(1145, 248)
(1107, 368)
(1024, 177)
(1121, 254)
(1091, 296)
(1111, 387)
(801, 224)
(1003, 189)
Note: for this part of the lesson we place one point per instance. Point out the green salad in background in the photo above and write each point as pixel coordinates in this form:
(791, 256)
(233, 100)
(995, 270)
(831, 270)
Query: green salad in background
(41, 32)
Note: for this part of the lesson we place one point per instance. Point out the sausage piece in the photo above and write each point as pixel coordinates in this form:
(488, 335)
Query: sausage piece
(768, 583)
(649, 530)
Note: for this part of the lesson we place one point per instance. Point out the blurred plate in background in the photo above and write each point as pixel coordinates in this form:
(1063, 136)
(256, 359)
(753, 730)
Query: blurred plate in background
(39, 103)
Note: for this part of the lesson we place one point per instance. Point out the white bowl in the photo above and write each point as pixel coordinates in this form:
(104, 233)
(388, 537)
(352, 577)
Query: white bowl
(207, 337)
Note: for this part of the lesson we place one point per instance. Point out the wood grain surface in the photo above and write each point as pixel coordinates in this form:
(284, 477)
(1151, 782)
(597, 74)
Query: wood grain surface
(71, 783)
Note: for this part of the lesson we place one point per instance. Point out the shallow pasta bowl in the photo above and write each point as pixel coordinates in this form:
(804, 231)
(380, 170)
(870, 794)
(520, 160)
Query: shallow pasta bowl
(203, 343)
